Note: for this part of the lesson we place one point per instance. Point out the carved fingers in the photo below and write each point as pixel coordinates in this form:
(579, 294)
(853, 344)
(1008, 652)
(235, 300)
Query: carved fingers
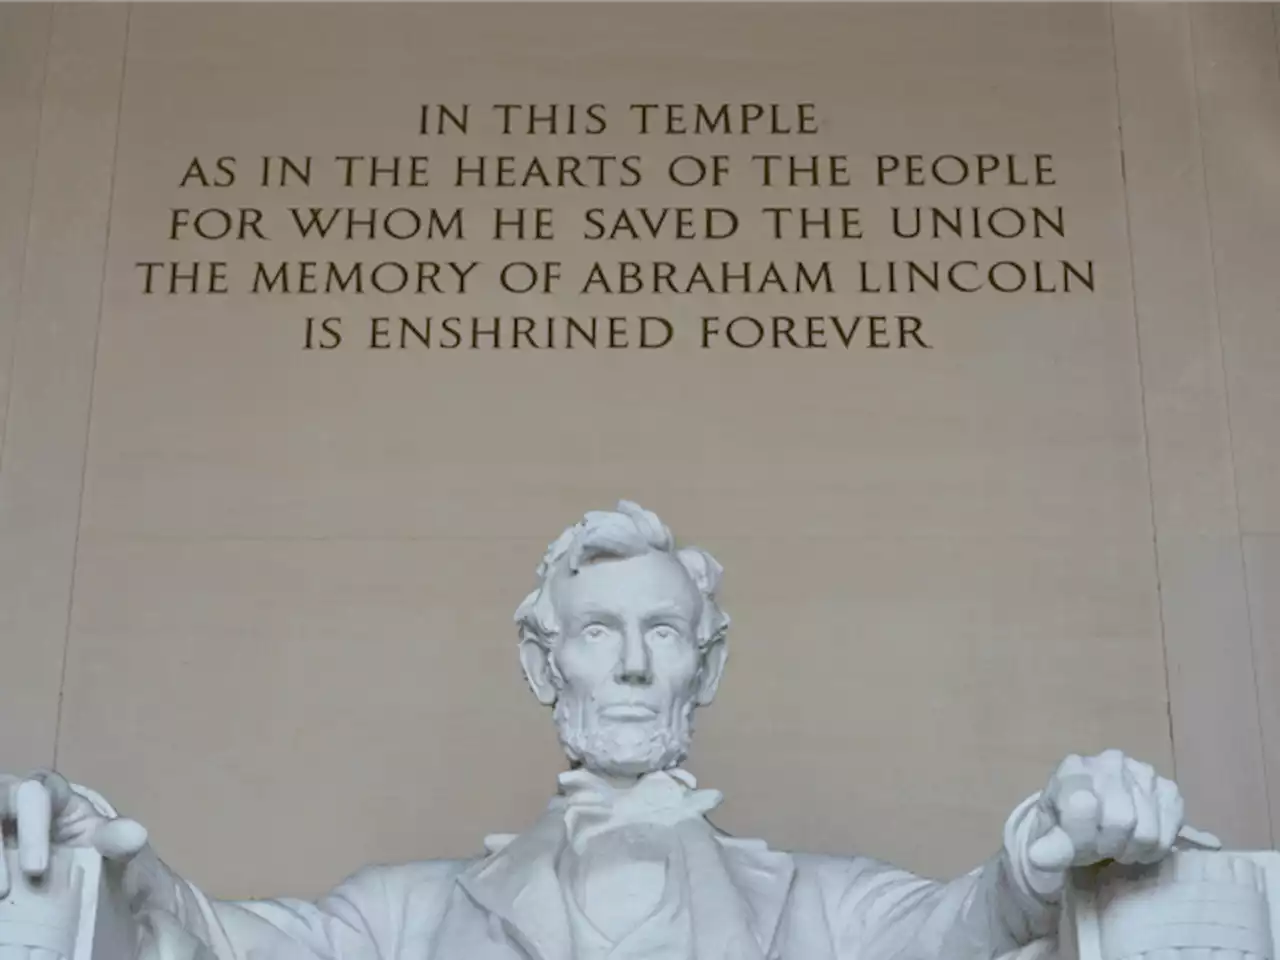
(41, 810)
(120, 839)
(1109, 807)
(27, 811)
(33, 806)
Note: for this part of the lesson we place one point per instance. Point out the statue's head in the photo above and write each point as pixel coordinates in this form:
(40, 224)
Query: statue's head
(624, 637)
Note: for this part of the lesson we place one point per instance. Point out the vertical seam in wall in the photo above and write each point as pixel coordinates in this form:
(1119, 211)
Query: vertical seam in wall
(93, 372)
(1142, 389)
(1226, 391)
(26, 236)
(1275, 32)
(1275, 35)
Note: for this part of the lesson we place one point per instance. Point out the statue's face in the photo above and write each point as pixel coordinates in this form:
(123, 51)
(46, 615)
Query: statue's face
(629, 663)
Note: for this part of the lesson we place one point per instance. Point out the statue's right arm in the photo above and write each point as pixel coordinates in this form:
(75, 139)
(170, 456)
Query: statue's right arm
(370, 916)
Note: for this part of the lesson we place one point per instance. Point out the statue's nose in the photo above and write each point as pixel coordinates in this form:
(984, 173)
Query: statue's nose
(634, 666)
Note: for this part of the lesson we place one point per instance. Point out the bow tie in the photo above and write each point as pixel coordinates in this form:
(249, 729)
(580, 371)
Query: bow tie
(593, 806)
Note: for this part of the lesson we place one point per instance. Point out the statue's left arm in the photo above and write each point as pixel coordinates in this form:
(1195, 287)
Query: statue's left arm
(879, 912)
(1107, 807)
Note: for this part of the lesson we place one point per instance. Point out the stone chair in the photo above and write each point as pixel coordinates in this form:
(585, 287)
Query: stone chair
(1195, 905)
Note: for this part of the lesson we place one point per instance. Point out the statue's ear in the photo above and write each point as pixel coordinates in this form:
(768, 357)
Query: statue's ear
(713, 658)
(536, 660)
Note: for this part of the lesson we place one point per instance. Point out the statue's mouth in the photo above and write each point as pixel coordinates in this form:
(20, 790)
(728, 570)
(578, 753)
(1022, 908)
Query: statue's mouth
(629, 711)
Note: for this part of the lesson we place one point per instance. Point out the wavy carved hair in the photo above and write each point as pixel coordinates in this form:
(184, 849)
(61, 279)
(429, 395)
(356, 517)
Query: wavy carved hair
(619, 534)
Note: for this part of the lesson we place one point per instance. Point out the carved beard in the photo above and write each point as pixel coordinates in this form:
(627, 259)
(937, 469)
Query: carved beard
(619, 748)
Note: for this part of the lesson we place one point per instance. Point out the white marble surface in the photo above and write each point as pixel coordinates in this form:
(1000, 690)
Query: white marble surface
(623, 638)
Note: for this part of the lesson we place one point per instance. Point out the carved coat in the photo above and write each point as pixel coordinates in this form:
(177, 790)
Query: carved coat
(707, 896)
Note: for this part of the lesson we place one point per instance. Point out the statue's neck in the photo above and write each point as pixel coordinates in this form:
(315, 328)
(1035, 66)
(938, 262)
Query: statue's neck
(618, 782)
(615, 781)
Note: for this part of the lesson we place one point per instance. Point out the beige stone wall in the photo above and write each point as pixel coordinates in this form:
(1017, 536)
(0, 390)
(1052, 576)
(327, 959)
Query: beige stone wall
(261, 597)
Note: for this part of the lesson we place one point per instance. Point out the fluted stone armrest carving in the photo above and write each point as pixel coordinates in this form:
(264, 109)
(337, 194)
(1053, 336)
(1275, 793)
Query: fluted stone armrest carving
(69, 914)
(1195, 905)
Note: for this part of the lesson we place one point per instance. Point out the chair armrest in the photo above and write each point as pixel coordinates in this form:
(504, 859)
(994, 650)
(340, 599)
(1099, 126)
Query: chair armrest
(1227, 903)
(71, 911)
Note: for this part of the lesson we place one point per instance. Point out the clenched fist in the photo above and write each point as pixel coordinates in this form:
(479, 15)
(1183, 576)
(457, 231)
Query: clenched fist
(1108, 807)
(42, 809)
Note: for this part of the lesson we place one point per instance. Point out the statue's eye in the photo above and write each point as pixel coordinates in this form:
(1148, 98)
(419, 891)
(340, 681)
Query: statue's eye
(664, 632)
(595, 631)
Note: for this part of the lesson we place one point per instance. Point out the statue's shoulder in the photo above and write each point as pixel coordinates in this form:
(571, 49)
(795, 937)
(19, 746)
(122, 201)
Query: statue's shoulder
(844, 871)
(412, 882)
(834, 862)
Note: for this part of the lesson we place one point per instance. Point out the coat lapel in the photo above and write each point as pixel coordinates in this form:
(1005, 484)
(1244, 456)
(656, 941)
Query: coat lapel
(725, 877)
(763, 878)
(723, 900)
(519, 885)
